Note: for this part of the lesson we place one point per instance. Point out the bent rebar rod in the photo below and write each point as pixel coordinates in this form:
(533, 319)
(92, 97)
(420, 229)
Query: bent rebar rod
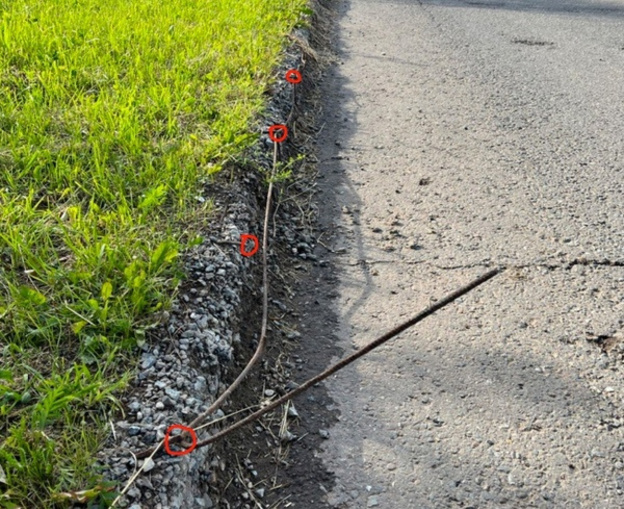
(348, 360)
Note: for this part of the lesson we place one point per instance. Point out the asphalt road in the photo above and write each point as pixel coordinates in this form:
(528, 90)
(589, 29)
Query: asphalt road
(460, 135)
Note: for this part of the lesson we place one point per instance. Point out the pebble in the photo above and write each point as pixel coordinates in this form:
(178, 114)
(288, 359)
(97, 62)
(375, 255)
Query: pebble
(148, 465)
(372, 502)
(134, 492)
(148, 360)
(172, 393)
(287, 436)
(323, 433)
(203, 503)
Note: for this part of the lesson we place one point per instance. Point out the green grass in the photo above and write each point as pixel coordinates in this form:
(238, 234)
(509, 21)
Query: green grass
(111, 114)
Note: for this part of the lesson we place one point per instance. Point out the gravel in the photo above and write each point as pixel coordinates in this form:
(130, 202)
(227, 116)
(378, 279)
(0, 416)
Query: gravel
(181, 368)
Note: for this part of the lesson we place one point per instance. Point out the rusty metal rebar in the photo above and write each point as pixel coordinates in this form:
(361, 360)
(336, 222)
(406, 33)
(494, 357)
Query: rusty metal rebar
(348, 360)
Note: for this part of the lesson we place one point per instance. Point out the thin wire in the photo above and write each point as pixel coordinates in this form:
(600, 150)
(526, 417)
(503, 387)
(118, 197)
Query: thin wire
(263, 330)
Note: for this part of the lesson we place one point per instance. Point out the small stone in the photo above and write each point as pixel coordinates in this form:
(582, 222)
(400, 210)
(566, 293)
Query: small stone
(200, 385)
(324, 433)
(160, 405)
(391, 466)
(372, 502)
(134, 492)
(148, 465)
(609, 389)
(269, 393)
(148, 360)
(287, 436)
(172, 393)
(260, 492)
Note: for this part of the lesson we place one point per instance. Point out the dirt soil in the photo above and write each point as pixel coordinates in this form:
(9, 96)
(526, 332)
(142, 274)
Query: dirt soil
(491, 135)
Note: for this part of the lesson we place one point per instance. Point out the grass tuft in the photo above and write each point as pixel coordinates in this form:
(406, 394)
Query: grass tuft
(111, 114)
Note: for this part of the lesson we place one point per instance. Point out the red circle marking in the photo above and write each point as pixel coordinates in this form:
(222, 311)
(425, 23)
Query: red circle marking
(293, 76)
(244, 238)
(183, 428)
(278, 127)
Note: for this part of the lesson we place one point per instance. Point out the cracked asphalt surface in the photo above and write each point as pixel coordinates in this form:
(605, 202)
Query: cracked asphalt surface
(460, 135)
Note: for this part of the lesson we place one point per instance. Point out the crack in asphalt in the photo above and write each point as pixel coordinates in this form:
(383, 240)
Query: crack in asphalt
(532, 265)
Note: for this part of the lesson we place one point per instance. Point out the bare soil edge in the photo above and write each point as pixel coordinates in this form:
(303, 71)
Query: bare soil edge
(255, 466)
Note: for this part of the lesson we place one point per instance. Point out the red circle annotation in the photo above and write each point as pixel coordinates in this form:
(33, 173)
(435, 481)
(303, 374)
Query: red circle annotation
(293, 76)
(247, 237)
(185, 451)
(278, 127)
